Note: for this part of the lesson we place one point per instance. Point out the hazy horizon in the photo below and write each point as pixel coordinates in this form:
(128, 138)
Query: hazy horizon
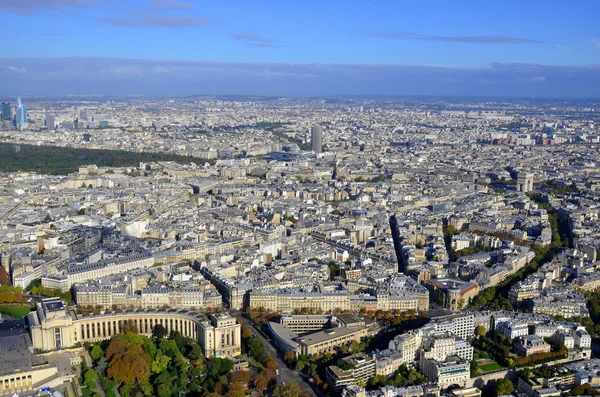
(115, 76)
(176, 47)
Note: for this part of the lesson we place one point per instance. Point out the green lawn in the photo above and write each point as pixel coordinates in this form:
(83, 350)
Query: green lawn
(85, 391)
(15, 310)
(490, 367)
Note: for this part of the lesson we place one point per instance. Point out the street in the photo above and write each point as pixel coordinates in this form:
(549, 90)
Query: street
(285, 374)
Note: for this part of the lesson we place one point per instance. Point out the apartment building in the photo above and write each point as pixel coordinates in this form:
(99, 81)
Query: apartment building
(361, 368)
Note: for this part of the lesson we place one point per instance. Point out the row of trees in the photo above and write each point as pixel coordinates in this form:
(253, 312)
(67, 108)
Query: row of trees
(261, 315)
(495, 296)
(3, 276)
(540, 358)
(400, 377)
(558, 188)
(51, 292)
(593, 298)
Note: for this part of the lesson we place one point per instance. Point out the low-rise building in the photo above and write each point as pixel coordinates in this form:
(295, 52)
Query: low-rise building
(512, 329)
(452, 371)
(531, 344)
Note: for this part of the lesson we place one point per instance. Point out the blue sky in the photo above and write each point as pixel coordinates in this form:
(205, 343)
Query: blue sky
(469, 38)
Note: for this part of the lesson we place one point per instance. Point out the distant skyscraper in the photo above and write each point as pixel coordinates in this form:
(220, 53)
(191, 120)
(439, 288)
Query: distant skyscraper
(6, 114)
(21, 117)
(50, 121)
(316, 139)
(83, 115)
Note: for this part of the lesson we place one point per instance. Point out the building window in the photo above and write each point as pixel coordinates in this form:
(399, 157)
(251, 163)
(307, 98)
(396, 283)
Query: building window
(57, 338)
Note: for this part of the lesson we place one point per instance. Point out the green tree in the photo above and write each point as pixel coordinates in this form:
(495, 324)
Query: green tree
(473, 367)
(256, 349)
(96, 353)
(377, 381)
(89, 378)
(35, 283)
(178, 338)
(216, 367)
(480, 331)
(160, 362)
(164, 390)
(149, 347)
(169, 347)
(159, 331)
(503, 386)
(193, 350)
(290, 389)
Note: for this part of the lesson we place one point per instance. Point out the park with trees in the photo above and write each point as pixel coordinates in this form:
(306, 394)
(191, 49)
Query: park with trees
(170, 365)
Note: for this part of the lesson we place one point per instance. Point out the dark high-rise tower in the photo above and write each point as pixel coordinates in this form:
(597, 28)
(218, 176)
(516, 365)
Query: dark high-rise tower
(316, 139)
(6, 115)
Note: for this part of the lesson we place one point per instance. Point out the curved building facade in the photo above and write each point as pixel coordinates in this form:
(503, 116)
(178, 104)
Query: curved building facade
(53, 326)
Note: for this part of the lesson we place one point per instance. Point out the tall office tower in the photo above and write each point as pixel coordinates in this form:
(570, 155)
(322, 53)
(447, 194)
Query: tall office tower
(50, 121)
(316, 139)
(6, 115)
(21, 117)
(83, 115)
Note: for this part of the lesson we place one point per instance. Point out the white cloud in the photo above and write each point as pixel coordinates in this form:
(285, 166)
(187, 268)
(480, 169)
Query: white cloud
(596, 42)
(124, 70)
(15, 69)
(538, 79)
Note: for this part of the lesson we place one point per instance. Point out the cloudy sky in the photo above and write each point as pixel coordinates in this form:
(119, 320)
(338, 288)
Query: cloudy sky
(177, 47)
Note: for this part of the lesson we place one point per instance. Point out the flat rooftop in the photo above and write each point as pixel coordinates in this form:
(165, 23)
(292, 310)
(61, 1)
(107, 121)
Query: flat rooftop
(326, 335)
(53, 305)
(15, 355)
(349, 318)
